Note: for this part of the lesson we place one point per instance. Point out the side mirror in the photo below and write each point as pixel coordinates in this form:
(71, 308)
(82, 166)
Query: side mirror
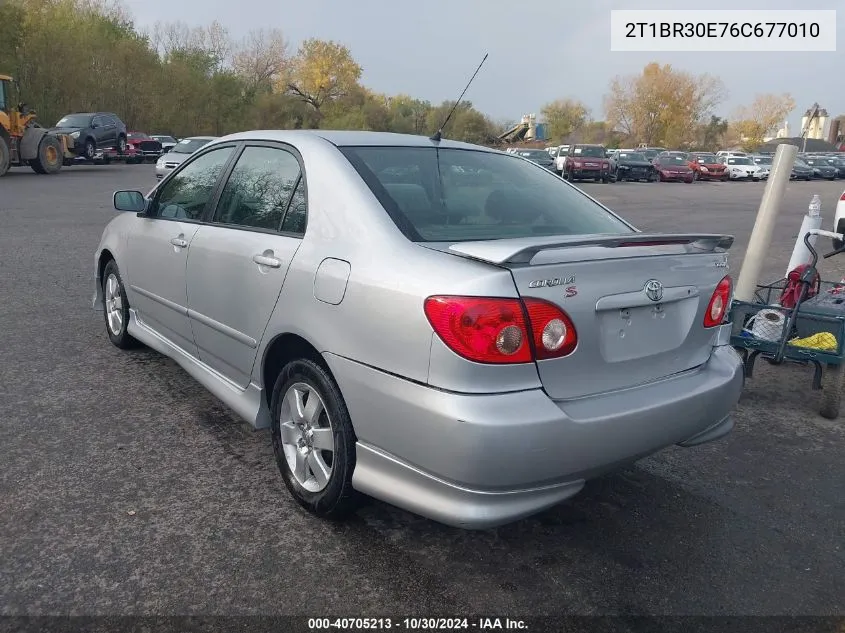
(132, 201)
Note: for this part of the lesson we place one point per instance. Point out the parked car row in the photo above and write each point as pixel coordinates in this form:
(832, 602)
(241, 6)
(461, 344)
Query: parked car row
(652, 164)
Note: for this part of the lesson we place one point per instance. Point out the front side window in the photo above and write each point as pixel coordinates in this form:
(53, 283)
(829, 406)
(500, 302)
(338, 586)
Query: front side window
(185, 195)
(444, 194)
(259, 190)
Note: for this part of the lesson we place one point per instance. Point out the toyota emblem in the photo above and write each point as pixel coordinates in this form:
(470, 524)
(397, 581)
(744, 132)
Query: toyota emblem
(653, 290)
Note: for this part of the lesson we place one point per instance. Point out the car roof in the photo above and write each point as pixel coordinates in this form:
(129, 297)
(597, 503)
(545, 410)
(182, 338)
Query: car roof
(194, 138)
(91, 114)
(345, 138)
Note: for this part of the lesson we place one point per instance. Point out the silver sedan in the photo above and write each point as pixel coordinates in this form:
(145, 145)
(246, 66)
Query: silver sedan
(179, 153)
(448, 328)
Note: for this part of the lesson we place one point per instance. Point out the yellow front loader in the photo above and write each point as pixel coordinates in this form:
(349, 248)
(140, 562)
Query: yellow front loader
(24, 142)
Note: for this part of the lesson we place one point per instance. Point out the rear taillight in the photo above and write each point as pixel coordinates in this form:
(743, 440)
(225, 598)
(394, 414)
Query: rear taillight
(842, 197)
(553, 331)
(501, 331)
(719, 303)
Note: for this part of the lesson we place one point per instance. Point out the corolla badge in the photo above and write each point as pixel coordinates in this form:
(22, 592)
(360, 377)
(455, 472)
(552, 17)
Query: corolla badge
(653, 290)
(550, 283)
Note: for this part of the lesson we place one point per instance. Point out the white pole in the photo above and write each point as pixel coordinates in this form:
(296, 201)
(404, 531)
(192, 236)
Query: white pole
(761, 235)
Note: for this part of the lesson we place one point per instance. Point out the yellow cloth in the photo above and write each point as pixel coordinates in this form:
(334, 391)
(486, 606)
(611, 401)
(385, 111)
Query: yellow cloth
(821, 340)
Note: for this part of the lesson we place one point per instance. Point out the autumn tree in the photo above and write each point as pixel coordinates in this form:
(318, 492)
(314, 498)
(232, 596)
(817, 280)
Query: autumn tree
(754, 122)
(467, 123)
(409, 115)
(322, 72)
(563, 117)
(661, 105)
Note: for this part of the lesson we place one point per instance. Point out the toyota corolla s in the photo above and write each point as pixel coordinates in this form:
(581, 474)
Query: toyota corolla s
(448, 328)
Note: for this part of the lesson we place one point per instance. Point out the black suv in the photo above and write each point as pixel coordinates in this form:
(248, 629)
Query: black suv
(93, 131)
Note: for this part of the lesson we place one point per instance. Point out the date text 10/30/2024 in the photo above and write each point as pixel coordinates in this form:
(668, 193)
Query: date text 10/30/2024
(417, 624)
(710, 30)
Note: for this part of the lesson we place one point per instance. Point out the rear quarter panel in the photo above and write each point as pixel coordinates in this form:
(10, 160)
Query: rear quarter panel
(380, 321)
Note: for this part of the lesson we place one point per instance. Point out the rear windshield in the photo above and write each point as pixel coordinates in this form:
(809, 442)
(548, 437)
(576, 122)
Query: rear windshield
(189, 146)
(536, 155)
(452, 195)
(632, 156)
(592, 152)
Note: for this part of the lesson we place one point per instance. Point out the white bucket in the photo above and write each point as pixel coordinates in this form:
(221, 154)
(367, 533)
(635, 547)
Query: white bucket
(766, 325)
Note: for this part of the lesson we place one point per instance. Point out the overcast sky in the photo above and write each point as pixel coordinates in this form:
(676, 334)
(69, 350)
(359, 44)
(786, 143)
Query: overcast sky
(539, 51)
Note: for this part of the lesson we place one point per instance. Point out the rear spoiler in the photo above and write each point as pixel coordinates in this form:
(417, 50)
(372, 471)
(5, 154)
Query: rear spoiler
(523, 250)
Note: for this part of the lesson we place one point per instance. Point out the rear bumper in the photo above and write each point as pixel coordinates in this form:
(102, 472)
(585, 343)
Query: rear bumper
(477, 461)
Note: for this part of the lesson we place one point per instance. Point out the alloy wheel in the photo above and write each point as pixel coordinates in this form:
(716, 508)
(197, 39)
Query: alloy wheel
(114, 305)
(307, 437)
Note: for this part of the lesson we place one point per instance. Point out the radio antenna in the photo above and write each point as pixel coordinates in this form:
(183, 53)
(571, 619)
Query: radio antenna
(439, 133)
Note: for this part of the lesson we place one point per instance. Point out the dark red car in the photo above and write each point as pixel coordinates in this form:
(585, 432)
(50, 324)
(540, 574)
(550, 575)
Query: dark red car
(672, 167)
(145, 145)
(705, 166)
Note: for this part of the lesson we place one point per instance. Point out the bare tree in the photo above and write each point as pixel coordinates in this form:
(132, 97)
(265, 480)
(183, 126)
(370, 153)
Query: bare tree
(261, 59)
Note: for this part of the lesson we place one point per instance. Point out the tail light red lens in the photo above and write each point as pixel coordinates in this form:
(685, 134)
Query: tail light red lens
(501, 331)
(552, 329)
(719, 303)
(842, 197)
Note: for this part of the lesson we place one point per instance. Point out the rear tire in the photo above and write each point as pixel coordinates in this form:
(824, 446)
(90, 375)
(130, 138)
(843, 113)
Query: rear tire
(50, 156)
(121, 145)
(833, 381)
(5, 157)
(320, 483)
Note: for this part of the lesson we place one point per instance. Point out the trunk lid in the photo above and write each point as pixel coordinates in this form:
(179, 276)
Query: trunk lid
(630, 330)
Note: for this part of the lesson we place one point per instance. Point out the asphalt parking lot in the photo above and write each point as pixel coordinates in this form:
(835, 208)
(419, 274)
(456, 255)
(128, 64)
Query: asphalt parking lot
(126, 488)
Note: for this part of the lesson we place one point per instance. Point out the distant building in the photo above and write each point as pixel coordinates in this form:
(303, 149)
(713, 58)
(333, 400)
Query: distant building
(813, 145)
(527, 130)
(814, 127)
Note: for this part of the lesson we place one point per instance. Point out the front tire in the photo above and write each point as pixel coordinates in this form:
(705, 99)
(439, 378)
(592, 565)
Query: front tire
(50, 156)
(313, 440)
(90, 150)
(116, 308)
(5, 157)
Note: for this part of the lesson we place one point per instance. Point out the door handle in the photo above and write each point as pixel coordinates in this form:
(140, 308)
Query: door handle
(178, 241)
(264, 260)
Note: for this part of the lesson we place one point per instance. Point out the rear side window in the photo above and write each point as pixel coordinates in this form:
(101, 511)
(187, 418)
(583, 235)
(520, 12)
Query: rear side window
(259, 189)
(436, 194)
